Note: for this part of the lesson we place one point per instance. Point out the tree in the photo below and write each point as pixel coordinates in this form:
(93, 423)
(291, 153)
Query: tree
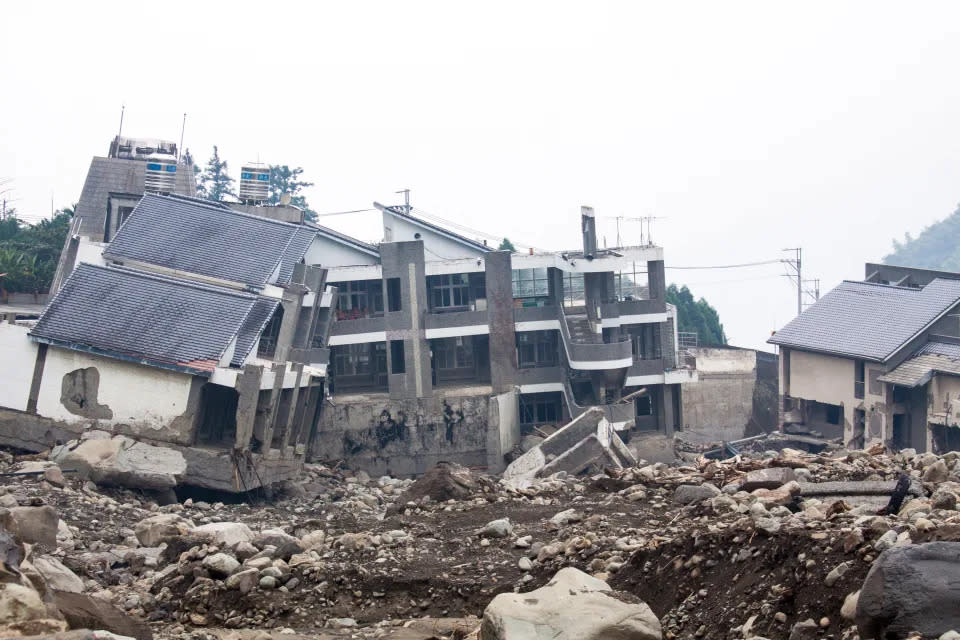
(696, 316)
(937, 246)
(284, 180)
(506, 245)
(29, 254)
(215, 183)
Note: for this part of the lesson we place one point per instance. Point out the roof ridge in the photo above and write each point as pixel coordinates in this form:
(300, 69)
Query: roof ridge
(208, 204)
(172, 279)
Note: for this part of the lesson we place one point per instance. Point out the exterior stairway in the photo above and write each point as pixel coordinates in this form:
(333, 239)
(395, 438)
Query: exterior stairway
(580, 332)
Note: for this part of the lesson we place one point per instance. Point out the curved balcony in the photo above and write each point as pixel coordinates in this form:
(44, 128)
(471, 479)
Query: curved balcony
(586, 350)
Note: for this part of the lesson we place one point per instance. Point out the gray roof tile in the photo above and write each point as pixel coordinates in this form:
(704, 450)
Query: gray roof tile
(252, 327)
(866, 320)
(157, 320)
(195, 237)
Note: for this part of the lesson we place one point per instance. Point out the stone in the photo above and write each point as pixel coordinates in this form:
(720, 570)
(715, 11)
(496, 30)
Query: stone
(123, 462)
(285, 544)
(849, 609)
(525, 564)
(268, 582)
(943, 499)
(56, 575)
(313, 540)
(836, 573)
(82, 611)
(885, 541)
(497, 529)
(221, 565)
(770, 478)
(773, 497)
(32, 525)
(572, 606)
(156, 529)
(852, 539)
(244, 581)
(445, 481)
(690, 493)
(340, 623)
(917, 505)
(936, 472)
(804, 630)
(224, 534)
(911, 588)
(566, 517)
(19, 603)
(55, 476)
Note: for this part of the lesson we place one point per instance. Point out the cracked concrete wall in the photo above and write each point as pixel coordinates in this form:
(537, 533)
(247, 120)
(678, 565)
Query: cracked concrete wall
(144, 402)
(403, 437)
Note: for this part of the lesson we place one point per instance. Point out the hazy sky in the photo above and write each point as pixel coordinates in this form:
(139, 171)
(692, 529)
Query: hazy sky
(748, 126)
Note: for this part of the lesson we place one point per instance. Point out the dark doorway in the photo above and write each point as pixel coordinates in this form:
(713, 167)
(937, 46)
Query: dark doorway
(901, 431)
(218, 415)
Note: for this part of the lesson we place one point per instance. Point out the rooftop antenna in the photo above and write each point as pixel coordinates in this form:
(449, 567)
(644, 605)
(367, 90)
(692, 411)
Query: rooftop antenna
(183, 128)
(406, 199)
(123, 108)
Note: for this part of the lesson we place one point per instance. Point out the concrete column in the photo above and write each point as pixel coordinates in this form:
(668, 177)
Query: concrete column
(248, 388)
(503, 341)
(279, 369)
(292, 302)
(589, 227)
(288, 426)
(405, 260)
(656, 280)
(669, 415)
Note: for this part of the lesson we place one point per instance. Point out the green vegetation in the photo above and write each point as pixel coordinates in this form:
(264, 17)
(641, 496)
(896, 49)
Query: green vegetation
(283, 180)
(29, 253)
(937, 246)
(215, 183)
(696, 316)
(506, 245)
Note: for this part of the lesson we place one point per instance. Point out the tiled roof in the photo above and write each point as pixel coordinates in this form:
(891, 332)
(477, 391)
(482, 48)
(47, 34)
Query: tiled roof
(932, 358)
(208, 240)
(400, 213)
(252, 327)
(156, 320)
(114, 175)
(866, 320)
(345, 239)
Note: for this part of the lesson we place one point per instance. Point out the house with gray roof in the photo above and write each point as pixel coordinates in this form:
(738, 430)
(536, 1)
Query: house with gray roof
(876, 360)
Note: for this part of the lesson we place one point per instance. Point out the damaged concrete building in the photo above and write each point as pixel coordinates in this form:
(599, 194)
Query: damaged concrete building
(876, 360)
(252, 341)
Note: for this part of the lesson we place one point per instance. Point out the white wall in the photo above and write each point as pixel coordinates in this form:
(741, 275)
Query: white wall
(17, 356)
(138, 395)
(436, 246)
(328, 253)
(711, 360)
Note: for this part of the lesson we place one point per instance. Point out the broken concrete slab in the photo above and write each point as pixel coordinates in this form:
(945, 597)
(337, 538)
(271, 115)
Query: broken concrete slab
(770, 478)
(121, 461)
(854, 488)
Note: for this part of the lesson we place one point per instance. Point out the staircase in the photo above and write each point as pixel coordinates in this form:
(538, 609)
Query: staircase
(580, 331)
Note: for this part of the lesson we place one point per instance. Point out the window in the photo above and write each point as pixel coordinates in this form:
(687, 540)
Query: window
(267, 347)
(833, 414)
(531, 283)
(536, 349)
(393, 294)
(449, 291)
(397, 362)
(453, 353)
(645, 406)
(359, 299)
(573, 295)
(124, 213)
(540, 408)
(351, 359)
(646, 341)
(858, 379)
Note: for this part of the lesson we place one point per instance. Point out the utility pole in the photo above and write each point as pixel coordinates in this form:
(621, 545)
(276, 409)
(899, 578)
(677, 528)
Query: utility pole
(796, 265)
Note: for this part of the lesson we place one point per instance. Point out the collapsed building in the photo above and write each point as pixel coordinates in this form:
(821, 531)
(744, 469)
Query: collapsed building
(876, 361)
(251, 340)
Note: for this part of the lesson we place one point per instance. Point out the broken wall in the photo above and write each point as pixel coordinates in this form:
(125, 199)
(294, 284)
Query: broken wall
(119, 396)
(17, 356)
(720, 405)
(404, 437)
(503, 429)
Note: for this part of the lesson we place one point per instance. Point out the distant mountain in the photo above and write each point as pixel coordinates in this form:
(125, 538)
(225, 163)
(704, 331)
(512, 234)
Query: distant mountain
(937, 246)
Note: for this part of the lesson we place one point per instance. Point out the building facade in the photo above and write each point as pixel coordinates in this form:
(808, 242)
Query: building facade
(876, 360)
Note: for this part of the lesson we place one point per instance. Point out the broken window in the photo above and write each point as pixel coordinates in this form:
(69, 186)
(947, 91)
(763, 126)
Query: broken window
(397, 362)
(218, 415)
(537, 348)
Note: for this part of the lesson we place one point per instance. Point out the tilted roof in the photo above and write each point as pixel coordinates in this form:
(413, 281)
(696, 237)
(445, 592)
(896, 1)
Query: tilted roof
(401, 213)
(263, 309)
(151, 319)
(210, 240)
(867, 320)
(930, 359)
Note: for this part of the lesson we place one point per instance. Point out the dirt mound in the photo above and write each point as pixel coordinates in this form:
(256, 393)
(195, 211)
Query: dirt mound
(445, 481)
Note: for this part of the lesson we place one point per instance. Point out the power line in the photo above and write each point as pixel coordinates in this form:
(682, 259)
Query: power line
(731, 266)
(340, 213)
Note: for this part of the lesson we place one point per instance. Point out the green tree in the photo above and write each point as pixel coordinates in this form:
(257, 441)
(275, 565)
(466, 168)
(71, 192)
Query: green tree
(215, 182)
(29, 253)
(506, 245)
(937, 246)
(284, 180)
(696, 316)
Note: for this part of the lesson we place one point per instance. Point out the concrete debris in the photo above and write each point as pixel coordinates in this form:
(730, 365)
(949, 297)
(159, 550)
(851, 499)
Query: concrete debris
(121, 461)
(773, 544)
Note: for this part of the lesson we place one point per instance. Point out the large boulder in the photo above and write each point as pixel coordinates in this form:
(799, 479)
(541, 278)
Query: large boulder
(22, 612)
(911, 588)
(85, 612)
(224, 534)
(122, 462)
(572, 606)
(32, 525)
(56, 575)
(156, 529)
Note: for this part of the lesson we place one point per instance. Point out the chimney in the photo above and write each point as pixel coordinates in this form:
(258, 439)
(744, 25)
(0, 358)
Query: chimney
(285, 199)
(589, 225)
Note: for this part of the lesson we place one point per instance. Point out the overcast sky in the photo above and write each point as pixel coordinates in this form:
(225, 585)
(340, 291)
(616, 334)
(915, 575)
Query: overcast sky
(748, 126)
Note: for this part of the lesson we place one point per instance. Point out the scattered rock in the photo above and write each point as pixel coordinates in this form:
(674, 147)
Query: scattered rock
(497, 529)
(690, 493)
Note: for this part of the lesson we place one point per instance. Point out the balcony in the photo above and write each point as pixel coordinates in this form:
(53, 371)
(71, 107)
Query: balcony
(632, 308)
(454, 323)
(585, 349)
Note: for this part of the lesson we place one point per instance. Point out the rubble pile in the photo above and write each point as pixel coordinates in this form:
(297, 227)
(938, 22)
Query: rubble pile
(781, 544)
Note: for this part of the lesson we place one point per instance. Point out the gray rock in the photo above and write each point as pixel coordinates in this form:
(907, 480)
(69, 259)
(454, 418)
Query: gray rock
(566, 517)
(770, 478)
(122, 461)
(836, 573)
(155, 529)
(224, 534)
(911, 588)
(572, 606)
(268, 582)
(221, 565)
(32, 525)
(56, 575)
(244, 581)
(885, 541)
(690, 493)
(805, 630)
(497, 529)
(936, 472)
(942, 499)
